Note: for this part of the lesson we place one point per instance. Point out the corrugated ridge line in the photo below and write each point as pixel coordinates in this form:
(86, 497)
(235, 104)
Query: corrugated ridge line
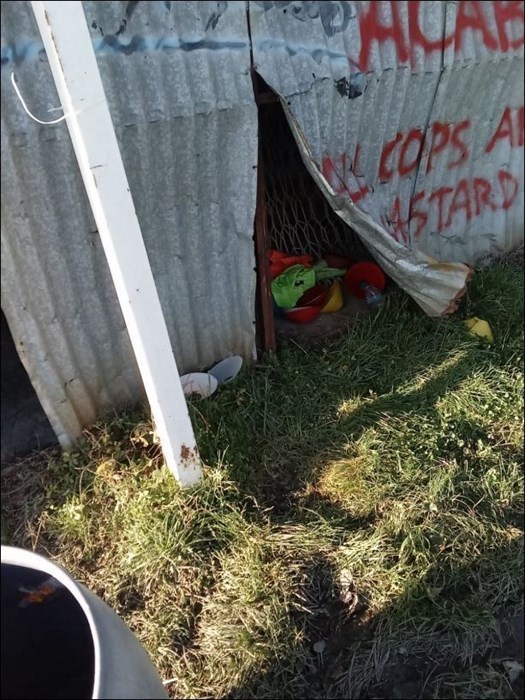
(371, 134)
(20, 306)
(69, 287)
(225, 69)
(414, 86)
(52, 326)
(386, 56)
(103, 391)
(51, 228)
(374, 121)
(414, 113)
(25, 326)
(175, 237)
(66, 269)
(440, 100)
(230, 315)
(217, 320)
(467, 84)
(513, 219)
(389, 79)
(510, 233)
(474, 51)
(468, 80)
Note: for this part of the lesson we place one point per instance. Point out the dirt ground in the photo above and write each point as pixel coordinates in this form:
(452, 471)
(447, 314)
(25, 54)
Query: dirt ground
(325, 326)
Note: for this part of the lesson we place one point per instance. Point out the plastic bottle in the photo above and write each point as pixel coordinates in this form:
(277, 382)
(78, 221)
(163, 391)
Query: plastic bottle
(373, 296)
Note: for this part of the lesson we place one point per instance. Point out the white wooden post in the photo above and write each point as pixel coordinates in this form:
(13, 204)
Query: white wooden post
(75, 71)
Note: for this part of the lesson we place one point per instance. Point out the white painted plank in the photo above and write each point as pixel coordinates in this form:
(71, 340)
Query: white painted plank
(75, 71)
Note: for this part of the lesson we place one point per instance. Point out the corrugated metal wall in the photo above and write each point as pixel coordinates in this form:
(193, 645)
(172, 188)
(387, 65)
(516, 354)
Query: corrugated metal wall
(397, 105)
(177, 78)
(470, 183)
(409, 116)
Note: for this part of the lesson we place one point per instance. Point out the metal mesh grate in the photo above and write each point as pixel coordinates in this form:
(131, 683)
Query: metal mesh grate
(300, 220)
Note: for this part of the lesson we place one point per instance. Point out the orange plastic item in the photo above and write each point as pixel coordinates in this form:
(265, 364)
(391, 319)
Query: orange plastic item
(279, 262)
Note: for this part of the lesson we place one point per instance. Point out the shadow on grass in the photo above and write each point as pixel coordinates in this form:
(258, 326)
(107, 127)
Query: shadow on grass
(346, 653)
(337, 395)
(282, 424)
(288, 419)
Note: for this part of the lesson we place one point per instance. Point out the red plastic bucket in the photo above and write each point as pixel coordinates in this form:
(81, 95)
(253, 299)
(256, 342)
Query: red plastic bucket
(364, 273)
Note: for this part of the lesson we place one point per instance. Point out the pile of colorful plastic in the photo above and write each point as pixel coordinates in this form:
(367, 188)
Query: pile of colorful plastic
(302, 289)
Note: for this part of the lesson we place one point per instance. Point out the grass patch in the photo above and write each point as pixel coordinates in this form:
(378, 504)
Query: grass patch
(359, 528)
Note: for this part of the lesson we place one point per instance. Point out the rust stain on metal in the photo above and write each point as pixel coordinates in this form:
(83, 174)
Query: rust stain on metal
(455, 302)
(262, 245)
(187, 454)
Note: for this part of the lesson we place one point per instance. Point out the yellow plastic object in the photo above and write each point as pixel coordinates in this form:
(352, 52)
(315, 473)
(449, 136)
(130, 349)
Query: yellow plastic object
(478, 327)
(334, 299)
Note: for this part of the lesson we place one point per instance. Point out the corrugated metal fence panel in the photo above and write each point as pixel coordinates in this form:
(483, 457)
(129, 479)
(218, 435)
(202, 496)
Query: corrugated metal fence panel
(57, 293)
(346, 96)
(178, 84)
(364, 82)
(470, 183)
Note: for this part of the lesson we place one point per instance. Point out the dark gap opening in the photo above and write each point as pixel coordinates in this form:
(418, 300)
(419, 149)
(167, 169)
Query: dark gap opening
(24, 425)
(299, 220)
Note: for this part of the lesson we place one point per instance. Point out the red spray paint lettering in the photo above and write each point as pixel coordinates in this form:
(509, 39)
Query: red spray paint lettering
(402, 154)
(451, 205)
(404, 159)
(466, 200)
(473, 18)
(510, 128)
(449, 137)
(505, 12)
(338, 173)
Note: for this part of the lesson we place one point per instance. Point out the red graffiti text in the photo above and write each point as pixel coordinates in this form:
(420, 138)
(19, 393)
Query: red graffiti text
(338, 172)
(473, 18)
(449, 206)
(402, 154)
(511, 129)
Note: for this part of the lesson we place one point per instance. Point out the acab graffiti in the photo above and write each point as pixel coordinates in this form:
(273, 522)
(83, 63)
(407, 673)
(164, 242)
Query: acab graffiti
(400, 24)
(489, 22)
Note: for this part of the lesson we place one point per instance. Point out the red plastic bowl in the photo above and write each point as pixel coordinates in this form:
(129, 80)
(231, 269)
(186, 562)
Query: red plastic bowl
(315, 296)
(338, 261)
(303, 314)
(367, 272)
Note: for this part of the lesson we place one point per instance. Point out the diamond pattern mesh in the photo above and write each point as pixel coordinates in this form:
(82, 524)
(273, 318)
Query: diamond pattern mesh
(300, 220)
